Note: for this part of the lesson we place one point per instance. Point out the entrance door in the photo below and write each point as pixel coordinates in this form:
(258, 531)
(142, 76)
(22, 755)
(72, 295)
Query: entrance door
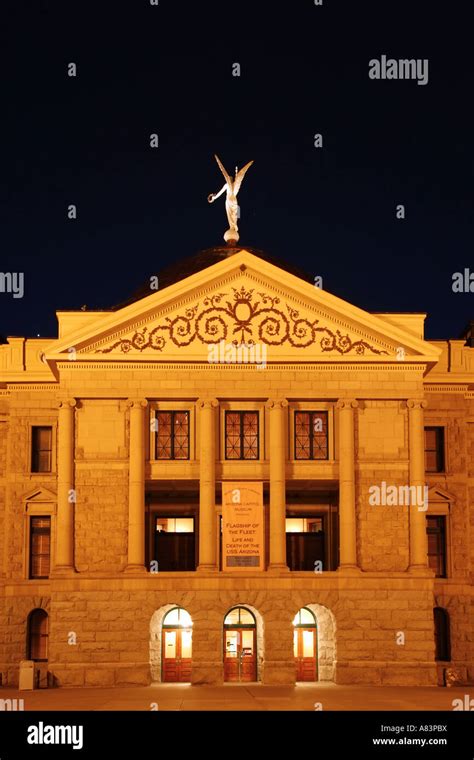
(305, 645)
(305, 653)
(240, 661)
(177, 654)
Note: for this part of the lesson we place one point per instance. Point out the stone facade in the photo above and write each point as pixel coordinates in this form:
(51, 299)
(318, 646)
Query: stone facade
(97, 385)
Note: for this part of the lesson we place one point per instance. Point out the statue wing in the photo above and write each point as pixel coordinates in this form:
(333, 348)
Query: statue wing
(240, 176)
(221, 167)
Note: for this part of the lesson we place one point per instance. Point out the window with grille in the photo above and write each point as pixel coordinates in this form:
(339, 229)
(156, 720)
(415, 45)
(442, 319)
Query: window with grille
(436, 530)
(41, 448)
(172, 435)
(241, 435)
(311, 435)
(40, 547)
(434, 449)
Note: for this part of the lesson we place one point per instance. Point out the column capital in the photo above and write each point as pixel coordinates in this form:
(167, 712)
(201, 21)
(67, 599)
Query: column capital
(347, 403)
(137, 403)
(208, 403)
(276, 403)
(416, 403)
(67, 403)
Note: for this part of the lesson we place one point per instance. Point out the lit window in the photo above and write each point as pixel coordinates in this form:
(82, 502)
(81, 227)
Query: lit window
(304, 617)
(239, 616)
(41, 444)
(177, 618)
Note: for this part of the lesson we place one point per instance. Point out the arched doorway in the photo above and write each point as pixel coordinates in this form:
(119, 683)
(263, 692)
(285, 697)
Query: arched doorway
(305, 645)
(37, 636)
(240, 645)
(177, 635)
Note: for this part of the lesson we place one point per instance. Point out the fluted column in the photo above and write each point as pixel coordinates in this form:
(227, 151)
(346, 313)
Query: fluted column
(277, 410)
(64, 561)
(207, 485)
(347, 511)
(136, 487)
(417, 512)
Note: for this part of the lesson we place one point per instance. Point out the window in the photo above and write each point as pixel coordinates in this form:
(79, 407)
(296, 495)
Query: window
(37, 646)
(175, 546)
(436, 530)
(40, 547)
(41, 445)
(241, 435)
(434, 449)
(177, 618)
(311, 435)
(311, 541)
(442, 635)
(172, 435)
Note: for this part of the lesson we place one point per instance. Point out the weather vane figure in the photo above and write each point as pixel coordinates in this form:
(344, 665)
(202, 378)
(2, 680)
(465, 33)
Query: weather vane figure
(232, 186)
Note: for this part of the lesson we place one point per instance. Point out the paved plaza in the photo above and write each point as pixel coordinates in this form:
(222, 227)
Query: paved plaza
(243, 697)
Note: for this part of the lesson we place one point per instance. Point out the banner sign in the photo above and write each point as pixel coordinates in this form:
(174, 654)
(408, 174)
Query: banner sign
(242, 526)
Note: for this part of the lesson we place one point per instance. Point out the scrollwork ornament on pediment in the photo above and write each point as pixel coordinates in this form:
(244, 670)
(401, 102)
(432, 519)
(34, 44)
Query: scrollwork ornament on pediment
(243, 317)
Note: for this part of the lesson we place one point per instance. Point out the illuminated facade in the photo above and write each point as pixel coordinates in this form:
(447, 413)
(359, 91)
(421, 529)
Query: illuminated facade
(116, 439)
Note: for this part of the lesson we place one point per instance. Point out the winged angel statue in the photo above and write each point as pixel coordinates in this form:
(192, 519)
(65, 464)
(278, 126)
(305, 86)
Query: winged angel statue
(232, 186)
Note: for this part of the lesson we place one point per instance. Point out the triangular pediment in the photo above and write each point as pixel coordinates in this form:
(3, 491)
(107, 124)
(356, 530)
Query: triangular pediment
(241, 300)
(436, 493)
(39, 495)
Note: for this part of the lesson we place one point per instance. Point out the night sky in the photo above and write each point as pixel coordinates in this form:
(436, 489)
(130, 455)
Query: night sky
(331, 211)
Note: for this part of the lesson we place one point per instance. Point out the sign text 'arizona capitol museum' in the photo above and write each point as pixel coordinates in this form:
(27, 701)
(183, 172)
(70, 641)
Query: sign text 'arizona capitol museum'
(237, 477)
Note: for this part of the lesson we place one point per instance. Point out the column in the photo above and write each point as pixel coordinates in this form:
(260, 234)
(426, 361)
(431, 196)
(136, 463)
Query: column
(136, 487)
(64, 560)
(417, 520)
(207, 485)
(277, 410)
(347, 511)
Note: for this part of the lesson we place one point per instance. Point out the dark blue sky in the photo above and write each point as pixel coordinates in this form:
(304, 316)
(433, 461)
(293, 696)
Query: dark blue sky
(168, 69)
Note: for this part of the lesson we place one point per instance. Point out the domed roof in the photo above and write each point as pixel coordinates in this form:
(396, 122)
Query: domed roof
(202, 260)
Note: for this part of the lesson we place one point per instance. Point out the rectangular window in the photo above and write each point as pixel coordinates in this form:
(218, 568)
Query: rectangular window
(241, 435)
(436, 530)
(434, 449)
(40, 547)
(311, 541)
(172, 435)
(41, 448)
(311, 435)
(175, 544)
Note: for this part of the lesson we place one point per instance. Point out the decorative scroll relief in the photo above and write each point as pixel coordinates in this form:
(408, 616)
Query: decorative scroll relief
(243, 316)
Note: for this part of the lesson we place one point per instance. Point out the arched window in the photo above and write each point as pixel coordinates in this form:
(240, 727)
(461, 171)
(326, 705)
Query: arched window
(304, 617)
(177, 618)
(239, 616)
(37, 635)
(442, 636)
